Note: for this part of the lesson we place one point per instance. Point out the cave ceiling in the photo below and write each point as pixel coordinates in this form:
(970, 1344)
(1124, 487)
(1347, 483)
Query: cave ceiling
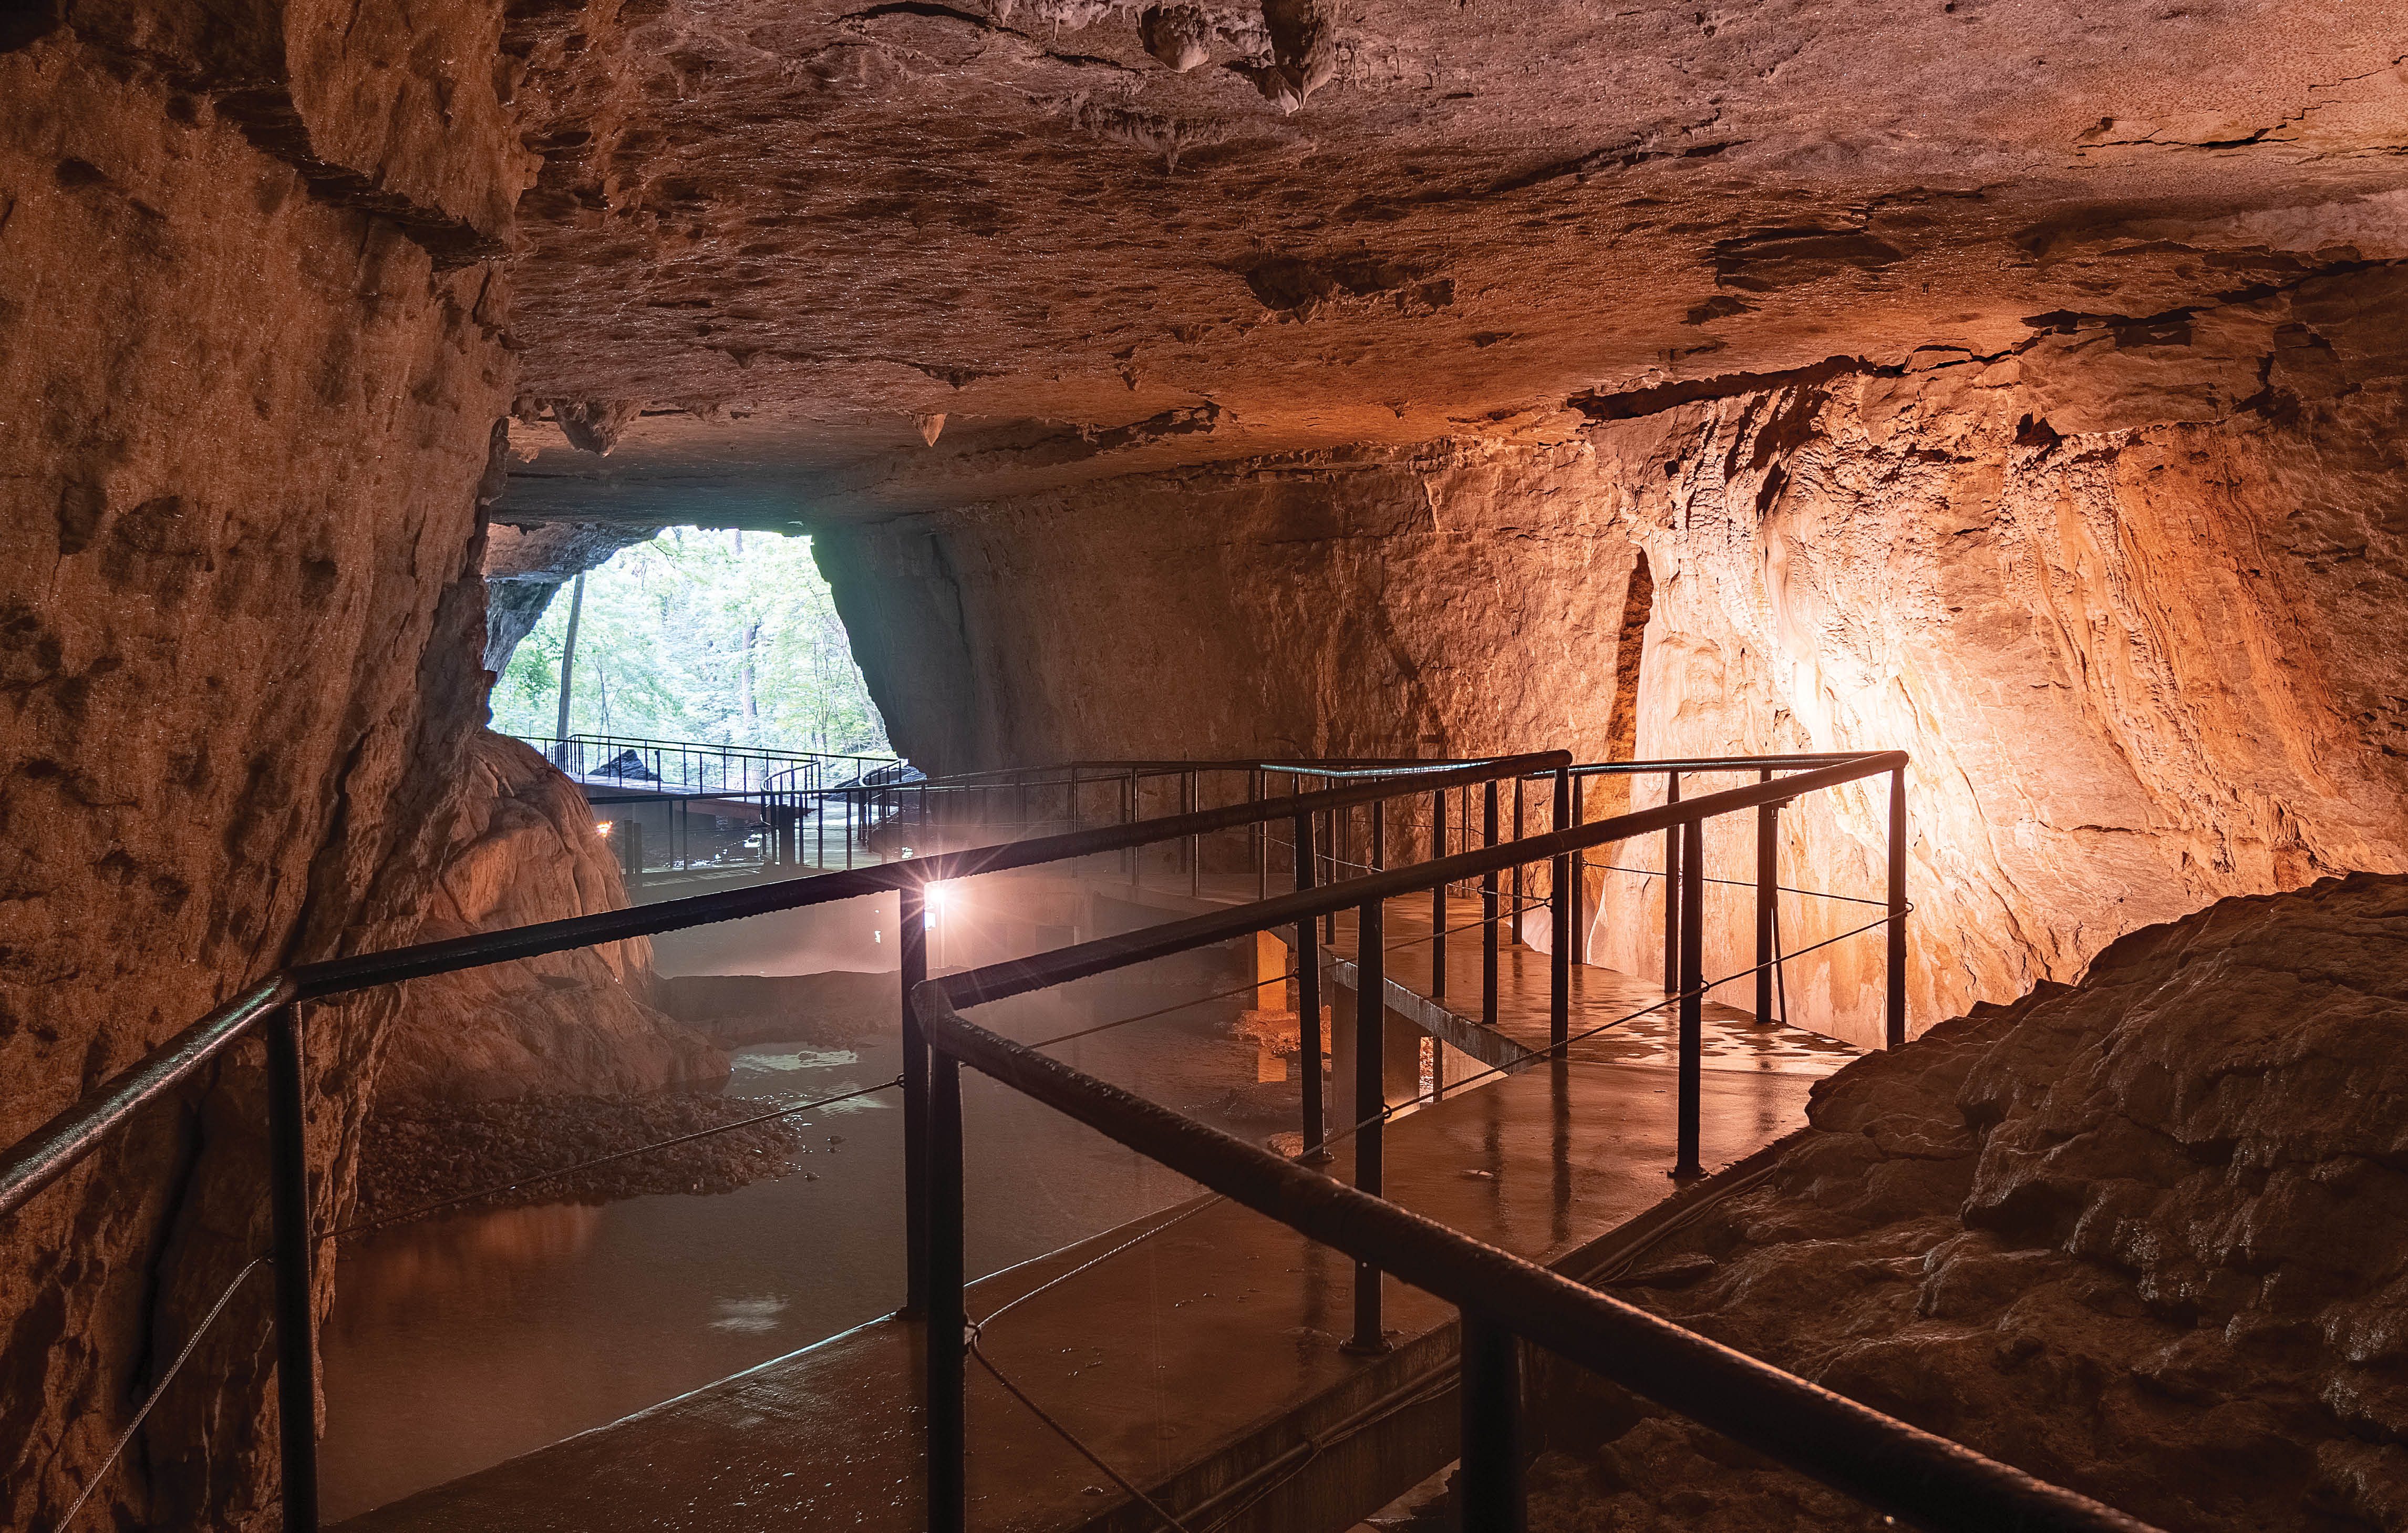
(773, 239)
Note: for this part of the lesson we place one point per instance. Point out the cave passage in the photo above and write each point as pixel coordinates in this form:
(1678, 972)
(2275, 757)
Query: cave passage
(943, 425)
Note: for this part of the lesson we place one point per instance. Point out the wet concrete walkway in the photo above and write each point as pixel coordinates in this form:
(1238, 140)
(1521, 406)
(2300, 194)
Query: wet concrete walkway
(1208, 1348)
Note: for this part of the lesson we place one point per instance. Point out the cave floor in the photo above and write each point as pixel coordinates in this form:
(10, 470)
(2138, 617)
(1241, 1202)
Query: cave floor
(1197, 1344)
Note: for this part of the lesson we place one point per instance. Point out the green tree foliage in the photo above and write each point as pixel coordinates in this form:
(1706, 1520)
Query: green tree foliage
(723, 637)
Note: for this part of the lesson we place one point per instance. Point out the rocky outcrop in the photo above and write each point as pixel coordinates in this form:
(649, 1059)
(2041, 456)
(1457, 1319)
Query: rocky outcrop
(524, 849)
(2128, 601)
(2145, 1236)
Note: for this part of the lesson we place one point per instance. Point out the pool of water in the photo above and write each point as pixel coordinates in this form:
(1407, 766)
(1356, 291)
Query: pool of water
(461, 1341)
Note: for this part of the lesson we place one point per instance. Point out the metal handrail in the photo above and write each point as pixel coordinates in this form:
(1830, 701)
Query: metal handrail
(715, 748)
(269, 1005)
(50, 1151)
(1852, 1448)
(1018, 975)
(1500, 1298)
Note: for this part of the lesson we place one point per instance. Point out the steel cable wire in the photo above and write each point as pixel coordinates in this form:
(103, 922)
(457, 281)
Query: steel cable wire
(367, 1225)
(978, 1350)
(1605, 868)
(1742, 884)
(191, 1343)
(1281, 978)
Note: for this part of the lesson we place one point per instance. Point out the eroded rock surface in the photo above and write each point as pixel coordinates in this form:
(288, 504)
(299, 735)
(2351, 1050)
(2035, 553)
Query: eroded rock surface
(2145, 1236)
(253, 348)
(2131, 604)
(523, 849)
(790, 229)
(2017, 385)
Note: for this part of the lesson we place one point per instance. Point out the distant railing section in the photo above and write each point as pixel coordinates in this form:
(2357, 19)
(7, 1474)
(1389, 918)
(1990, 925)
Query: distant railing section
(689, 809)
(697, 767)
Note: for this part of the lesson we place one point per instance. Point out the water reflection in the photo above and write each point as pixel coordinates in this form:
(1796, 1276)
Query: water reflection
(461, 1341)
(440, 1261)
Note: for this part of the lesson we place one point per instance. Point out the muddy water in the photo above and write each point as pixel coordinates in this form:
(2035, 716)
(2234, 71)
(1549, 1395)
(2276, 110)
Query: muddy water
(461, 1341)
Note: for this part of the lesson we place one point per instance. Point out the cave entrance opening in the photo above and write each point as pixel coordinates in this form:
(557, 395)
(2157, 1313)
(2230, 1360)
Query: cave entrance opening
(708, 635)
(699, 685)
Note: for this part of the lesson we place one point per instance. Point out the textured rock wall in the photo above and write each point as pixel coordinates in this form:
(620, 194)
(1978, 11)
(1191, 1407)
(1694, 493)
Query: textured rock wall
(522, 850)
(2125, 593)
(251, 357)
(2141, 1237)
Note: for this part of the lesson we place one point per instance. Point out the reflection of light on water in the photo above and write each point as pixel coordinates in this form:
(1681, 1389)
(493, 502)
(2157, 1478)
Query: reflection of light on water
(458, 1255)
(749, 1314)
(860, 1104)
(801, 1059)
(761, 1063)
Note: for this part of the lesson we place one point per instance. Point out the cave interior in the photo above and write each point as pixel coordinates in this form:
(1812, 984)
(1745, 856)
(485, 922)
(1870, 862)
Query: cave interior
(2021, 385)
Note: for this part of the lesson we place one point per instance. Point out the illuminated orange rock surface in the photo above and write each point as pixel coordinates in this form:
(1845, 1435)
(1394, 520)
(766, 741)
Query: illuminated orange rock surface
(524, 849)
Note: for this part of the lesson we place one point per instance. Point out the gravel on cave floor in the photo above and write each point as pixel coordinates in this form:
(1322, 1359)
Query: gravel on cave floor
(423, 1154)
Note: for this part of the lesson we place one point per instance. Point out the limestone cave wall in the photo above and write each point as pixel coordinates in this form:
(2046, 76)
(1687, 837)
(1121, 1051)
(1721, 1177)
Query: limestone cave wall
(2126, 592)
(254, 353)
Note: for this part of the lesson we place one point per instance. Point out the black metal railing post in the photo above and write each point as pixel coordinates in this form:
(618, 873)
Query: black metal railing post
(296, 1310)
(947, 1405)
(911, 948)
(1520, 893)
(1256, 786)
(1672, 891)
(1559, 913)
(1490, 914)
(1308, 997)
(1693, 979)
(1437, 899)
(1894, 1023)
(1768, 890)
(1331, 822)
(1195, 844)
(1371, 1105)
(1580, 881)
(1488, 1391)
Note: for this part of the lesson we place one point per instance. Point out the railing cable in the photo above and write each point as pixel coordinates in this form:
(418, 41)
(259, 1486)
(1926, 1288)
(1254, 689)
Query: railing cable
(191, 1344)
(1742, 884)
(978, 1352)
(1390, 1109)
